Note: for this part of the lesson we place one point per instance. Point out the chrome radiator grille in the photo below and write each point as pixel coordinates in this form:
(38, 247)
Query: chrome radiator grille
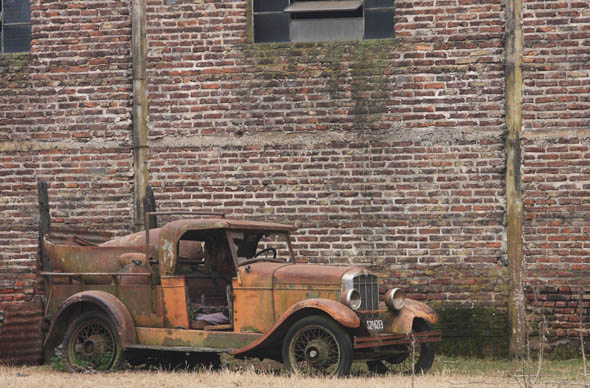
(368, 287)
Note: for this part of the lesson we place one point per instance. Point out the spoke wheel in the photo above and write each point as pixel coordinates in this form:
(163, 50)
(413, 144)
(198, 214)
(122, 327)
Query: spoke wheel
(421, 355)
(317, 346)
(92, 343)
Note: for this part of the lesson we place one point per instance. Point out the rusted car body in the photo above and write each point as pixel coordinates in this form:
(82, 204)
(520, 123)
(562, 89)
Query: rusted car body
(209, 285)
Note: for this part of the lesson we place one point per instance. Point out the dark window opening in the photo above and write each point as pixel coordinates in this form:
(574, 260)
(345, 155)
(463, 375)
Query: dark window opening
(322, 20)
(327, 15)
(15, 26)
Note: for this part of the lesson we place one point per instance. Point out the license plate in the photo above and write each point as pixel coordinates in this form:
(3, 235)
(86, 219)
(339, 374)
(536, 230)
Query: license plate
(375, 324)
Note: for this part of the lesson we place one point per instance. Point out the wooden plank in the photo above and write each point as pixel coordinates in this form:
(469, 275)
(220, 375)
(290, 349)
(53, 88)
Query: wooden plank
(44, 223)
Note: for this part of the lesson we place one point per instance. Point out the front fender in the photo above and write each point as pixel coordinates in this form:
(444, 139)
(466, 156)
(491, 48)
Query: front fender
(401, 322)
(108, 303)
(339, 312)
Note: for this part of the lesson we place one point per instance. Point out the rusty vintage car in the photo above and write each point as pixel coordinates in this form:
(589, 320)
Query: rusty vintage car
(207, 285)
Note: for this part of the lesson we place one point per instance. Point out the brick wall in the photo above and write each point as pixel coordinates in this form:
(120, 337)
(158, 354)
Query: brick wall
(387, 153)
(65, 119)
(18, 282)
(556, 115)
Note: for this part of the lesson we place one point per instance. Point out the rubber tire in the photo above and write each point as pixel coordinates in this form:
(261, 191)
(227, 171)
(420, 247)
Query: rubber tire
(427, 349)
(119, 358)
(339, 334)
(424, 363)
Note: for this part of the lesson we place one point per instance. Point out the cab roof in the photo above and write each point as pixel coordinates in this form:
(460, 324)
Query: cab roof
(225, 223)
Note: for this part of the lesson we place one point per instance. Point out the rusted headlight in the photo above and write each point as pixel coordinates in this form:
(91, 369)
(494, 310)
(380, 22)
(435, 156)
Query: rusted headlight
(395, 299)
(352, 298)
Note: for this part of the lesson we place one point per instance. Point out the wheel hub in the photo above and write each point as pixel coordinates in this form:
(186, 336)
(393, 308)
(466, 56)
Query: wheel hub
(316, 353)
(95, 344)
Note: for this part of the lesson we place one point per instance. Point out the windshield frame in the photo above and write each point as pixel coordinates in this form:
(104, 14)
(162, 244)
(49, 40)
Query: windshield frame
(232, 246)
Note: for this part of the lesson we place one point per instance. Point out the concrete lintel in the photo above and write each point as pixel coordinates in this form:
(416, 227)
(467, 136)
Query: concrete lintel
(547, 134)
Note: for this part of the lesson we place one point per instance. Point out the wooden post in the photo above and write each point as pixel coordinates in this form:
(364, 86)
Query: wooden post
(515, 210)
(140, 109)
(44, 223)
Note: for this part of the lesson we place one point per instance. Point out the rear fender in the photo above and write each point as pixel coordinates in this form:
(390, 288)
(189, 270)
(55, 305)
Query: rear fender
(88, 300)
(337, 311)
(401, 323)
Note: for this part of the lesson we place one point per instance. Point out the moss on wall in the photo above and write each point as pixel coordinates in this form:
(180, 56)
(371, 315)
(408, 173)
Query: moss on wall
(355, 77)
(473, 331)
(14, 67)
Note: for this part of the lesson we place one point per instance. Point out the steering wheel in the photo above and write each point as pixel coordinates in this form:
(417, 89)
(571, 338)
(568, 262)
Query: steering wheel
(266, 250)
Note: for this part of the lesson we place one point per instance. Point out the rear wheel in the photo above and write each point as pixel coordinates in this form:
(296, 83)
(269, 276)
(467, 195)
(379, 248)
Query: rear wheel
(92, 343)
(316, 345)
(422, 354)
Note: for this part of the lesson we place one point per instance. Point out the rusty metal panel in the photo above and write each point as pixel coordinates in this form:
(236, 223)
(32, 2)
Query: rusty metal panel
(400, 322)
(62, 234)
(20, 332)
(80, 259)
(187, 339)
(250, 316)
(258, 274)
(284, 298)
(134, 240)
(175, 302)
(175, 229)
(312, 274)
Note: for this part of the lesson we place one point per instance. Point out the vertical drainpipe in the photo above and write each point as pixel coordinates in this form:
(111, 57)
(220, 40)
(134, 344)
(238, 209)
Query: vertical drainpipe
(140, 110)
(514, 211)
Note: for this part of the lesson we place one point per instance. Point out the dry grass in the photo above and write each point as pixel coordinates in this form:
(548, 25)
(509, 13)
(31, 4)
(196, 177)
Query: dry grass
(42, 377)
(452, 373)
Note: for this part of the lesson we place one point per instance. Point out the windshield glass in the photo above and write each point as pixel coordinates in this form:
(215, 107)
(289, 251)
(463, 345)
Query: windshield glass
(261, 246)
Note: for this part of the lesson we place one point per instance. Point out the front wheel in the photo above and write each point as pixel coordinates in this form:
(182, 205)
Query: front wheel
(92, 343)
(316, 345)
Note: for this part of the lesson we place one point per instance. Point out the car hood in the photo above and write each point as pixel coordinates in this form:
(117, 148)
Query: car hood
(265, 274)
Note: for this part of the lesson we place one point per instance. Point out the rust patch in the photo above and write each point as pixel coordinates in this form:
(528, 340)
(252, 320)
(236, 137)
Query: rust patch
(402, 322)
(396, 339)
(20, 332)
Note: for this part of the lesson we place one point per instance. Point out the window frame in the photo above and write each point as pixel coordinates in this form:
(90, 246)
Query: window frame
(346, 24)
(3, 26)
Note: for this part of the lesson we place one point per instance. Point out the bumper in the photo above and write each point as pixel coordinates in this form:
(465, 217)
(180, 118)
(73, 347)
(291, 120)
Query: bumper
(386, 340)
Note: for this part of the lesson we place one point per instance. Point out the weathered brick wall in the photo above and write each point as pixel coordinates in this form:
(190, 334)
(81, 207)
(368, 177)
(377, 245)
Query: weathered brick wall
(556, 232)
(17, 229)
(556, 124)
(387, 153)
(65, 119)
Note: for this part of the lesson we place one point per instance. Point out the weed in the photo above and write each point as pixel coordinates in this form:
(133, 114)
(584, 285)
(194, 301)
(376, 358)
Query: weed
(581, 306)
